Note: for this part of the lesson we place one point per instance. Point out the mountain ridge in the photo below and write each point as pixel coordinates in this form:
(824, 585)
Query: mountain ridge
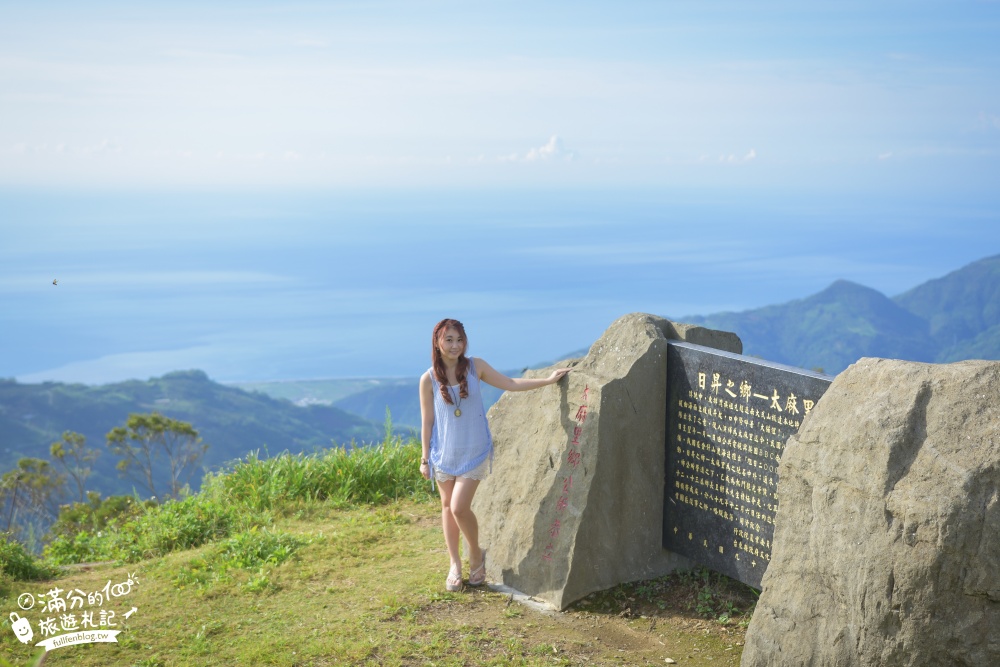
(944, 319)
(959, 305)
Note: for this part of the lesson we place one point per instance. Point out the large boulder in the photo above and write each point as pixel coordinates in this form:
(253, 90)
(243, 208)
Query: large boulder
(575, 501)
(886, 547)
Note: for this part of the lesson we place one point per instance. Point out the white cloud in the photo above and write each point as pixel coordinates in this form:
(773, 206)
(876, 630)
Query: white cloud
(196, 55)
(105, 147)
(61, 148)
(989, 121)
(885, 156)
(733, 158)
(553, 149)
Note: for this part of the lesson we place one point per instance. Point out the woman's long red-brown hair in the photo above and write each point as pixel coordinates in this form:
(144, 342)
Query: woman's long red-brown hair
(440, 372)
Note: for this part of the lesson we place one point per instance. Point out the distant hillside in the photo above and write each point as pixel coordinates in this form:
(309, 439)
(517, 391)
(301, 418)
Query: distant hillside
(374, 395)
(962, 309)
(831, 330)
(948, 319)
(365, 397)
(231, 421)
(402, 399)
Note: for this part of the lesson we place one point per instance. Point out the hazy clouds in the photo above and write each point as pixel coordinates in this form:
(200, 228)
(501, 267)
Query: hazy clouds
(443, 93)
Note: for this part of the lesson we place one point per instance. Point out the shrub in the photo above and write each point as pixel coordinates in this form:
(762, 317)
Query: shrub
(17, 564)
(95, 514)
(387, 471)
(158, 530)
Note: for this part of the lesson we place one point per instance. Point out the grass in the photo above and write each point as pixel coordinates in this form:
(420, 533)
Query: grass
(251, 494)
(362, 585)
(315, 561)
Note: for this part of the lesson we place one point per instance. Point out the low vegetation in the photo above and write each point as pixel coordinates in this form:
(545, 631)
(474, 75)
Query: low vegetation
(251, 494)
(336, 558)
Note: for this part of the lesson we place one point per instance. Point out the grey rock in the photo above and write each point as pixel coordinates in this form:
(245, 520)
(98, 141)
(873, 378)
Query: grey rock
(562, 519)
(886, 548)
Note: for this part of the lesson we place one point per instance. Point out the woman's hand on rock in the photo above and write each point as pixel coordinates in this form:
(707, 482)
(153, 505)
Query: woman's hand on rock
(558, 374)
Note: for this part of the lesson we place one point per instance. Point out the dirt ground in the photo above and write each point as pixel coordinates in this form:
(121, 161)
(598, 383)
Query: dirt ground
(639, 634)
(675, 618)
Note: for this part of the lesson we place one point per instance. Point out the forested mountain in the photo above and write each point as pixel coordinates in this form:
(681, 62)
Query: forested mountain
(829, 330)
(947, 319)
(962, 311)
(231, 421)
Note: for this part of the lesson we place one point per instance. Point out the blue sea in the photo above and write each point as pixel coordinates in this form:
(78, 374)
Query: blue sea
(265, 286)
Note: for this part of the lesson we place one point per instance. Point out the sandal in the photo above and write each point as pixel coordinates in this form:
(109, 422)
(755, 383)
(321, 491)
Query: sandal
(454, 580)
(478, 576)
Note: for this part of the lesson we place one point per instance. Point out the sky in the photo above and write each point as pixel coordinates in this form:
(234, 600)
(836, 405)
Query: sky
(333, 94)
(301, 189)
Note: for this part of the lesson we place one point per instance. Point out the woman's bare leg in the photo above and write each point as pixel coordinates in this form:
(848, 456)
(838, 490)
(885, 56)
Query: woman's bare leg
(461, 509)
(451, 535)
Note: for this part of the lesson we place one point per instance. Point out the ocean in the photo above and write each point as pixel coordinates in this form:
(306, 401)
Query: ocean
(297, 285)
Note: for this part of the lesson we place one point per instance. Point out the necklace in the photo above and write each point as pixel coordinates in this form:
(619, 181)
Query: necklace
(458, 402)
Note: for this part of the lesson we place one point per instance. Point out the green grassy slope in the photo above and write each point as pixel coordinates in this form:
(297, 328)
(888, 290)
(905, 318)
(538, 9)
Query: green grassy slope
(336, 559)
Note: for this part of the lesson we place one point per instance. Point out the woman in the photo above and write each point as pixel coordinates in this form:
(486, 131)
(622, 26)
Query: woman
(457, 445)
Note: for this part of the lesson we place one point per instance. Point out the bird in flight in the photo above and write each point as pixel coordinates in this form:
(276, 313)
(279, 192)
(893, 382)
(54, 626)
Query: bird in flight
(55, 282)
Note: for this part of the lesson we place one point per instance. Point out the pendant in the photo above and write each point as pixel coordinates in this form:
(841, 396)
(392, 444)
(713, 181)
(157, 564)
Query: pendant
(458, 413)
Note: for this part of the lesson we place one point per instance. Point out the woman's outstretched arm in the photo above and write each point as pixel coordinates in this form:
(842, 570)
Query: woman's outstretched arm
(491, 376)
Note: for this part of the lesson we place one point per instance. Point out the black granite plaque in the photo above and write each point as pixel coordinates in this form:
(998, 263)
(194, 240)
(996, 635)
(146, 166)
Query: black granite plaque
(728, 417)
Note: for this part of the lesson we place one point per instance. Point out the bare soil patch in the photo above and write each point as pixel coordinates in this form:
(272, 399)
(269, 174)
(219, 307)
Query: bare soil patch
(641, 634)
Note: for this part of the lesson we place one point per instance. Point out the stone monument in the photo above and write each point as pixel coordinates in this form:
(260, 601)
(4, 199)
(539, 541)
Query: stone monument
(728, 418)
(575, 501)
